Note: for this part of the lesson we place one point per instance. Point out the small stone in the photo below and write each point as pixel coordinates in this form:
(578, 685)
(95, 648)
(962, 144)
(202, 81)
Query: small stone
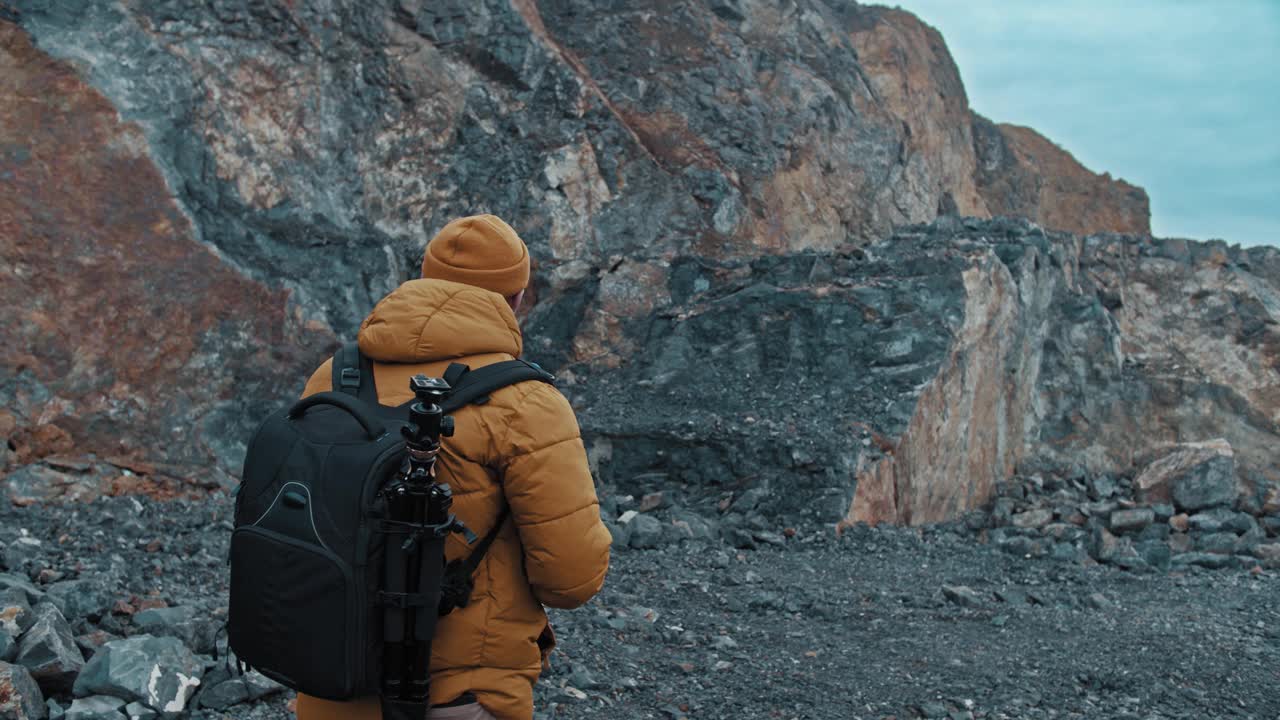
(724, 642)
(1033, 519)
(1223, 543)
(1180, 522)
(1097, 601)
(678, 531)
(137, 711)
(15, 614)
(620, 534)
(933, 710)
(627, 517)
(1268, 555)
(1271, 524)
(963, 595)
(652, 501)
(20, 696)
(1099, 509)
(1102, 487)
(1206, 560)
(582, 677)
(1180, 543)
(1127, 521)
(1013, 596)
(1155, 553)
(56, 711)
(722, 665)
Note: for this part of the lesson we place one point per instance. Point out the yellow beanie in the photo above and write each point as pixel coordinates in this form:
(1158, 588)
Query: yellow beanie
(480, 250)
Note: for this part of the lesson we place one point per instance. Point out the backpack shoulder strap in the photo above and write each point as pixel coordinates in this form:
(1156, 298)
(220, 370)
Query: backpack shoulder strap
(476, 385)
(353, 374)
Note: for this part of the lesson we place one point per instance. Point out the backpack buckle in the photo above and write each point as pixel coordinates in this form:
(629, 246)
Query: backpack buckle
(350, 377)
(404, 601)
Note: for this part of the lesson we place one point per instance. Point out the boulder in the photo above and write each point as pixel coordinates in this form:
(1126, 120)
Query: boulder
(20, 696)
(1194, 476)
(9, 581)
(182, 622)
(1268, 555)
(226, 690)
(91, 641)
(160, 672)
(49, 651)
(1033, 519)
(1222, 543)
(82, 598)
(97, 707)
(646, 532)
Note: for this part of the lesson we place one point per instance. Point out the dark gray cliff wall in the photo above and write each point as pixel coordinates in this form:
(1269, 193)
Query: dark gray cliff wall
(699, 184)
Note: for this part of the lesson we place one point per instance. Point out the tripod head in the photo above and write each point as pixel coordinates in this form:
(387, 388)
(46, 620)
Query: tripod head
(427, 421)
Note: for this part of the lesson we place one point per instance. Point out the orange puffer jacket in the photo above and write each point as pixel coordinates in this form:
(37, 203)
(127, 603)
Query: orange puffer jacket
(522, 449)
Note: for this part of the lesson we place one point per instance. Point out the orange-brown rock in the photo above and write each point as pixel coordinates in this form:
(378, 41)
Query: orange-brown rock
(123, 333)
(1020, 173)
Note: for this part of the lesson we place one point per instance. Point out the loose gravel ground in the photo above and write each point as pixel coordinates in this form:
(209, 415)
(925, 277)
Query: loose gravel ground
(879, 623)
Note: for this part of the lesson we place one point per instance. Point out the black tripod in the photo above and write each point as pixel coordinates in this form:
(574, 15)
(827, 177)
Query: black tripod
(417, 507)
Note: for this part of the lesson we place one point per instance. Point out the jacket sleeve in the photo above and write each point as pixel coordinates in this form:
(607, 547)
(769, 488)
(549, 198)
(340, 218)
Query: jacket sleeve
(321, 380)
(553, 500)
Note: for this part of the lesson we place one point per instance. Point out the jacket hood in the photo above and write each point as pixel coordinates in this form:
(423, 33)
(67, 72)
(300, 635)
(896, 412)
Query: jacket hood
(429, 320)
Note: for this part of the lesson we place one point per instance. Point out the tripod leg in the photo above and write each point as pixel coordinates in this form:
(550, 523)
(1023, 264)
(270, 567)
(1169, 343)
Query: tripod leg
(395, 565)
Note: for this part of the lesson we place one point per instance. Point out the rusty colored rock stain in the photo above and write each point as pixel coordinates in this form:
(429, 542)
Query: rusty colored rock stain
(109, 293)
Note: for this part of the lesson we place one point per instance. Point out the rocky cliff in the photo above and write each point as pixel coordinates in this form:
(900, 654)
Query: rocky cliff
(196, 204)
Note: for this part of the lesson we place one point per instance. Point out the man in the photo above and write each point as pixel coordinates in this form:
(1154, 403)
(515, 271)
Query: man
(520, 449)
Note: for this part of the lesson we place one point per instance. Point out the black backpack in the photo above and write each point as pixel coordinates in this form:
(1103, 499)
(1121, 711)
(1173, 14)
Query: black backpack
(307, 603)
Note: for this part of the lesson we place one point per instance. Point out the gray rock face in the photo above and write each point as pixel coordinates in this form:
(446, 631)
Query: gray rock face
(632, 134)
(97, 707)
(20, 696)
(49, 651)
(160, 672)
(710, 198)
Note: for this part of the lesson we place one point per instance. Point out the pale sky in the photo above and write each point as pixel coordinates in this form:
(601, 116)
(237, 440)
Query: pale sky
(1181, 97)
